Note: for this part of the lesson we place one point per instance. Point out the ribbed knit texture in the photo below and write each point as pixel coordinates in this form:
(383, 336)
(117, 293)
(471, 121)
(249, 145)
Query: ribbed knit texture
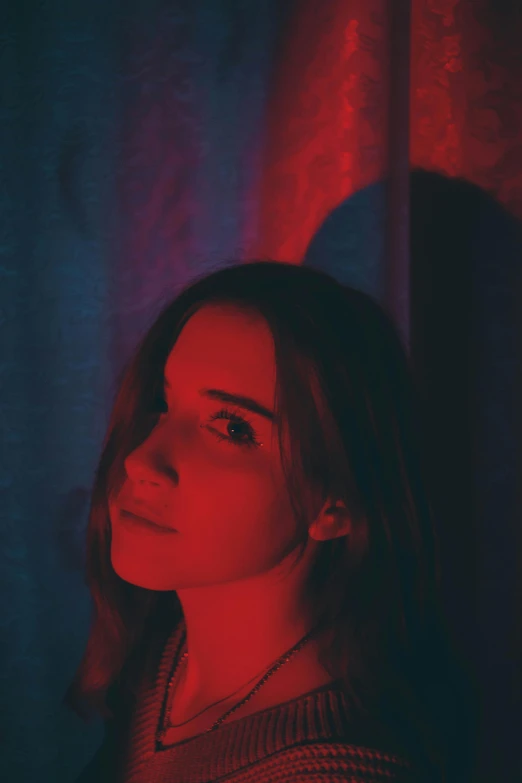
(308, 739)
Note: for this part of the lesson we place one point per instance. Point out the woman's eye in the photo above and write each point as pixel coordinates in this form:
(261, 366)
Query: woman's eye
(238, 426)
(239, 423)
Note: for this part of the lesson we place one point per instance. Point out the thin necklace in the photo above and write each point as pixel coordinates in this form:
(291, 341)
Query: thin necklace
(280, 662)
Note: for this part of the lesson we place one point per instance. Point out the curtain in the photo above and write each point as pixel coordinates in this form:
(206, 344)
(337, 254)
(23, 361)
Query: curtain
(145, 142)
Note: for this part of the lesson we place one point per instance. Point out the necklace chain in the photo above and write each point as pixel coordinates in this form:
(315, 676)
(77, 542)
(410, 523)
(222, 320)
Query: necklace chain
(280, 662)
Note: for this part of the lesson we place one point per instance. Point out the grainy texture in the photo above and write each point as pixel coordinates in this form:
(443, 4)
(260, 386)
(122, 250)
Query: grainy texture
(307, 739)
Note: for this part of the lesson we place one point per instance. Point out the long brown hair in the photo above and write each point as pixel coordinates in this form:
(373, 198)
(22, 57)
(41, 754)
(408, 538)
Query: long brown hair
(357, 436)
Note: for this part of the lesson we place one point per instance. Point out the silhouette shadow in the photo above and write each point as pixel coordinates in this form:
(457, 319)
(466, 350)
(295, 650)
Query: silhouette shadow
(465, 338)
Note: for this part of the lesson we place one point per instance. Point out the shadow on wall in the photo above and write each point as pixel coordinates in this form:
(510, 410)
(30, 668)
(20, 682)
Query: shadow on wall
(466, 252)
(465, 340)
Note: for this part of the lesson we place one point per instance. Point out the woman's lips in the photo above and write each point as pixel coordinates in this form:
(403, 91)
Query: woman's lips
(130, 516)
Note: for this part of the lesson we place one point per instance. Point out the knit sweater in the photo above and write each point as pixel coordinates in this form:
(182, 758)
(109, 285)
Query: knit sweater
(309, 738)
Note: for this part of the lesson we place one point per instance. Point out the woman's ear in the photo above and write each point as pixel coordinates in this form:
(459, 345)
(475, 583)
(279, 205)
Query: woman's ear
(333, 521)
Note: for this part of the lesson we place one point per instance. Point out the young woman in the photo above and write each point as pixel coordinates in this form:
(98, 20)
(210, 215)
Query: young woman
(261, 549)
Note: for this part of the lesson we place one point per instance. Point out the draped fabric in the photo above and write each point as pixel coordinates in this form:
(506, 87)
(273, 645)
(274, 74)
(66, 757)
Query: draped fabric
(149, 141)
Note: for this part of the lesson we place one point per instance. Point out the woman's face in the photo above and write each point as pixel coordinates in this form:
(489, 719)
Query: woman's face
(218, 482)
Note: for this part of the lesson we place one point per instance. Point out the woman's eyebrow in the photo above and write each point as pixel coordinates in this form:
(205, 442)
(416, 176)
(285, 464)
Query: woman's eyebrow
(242, 401)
